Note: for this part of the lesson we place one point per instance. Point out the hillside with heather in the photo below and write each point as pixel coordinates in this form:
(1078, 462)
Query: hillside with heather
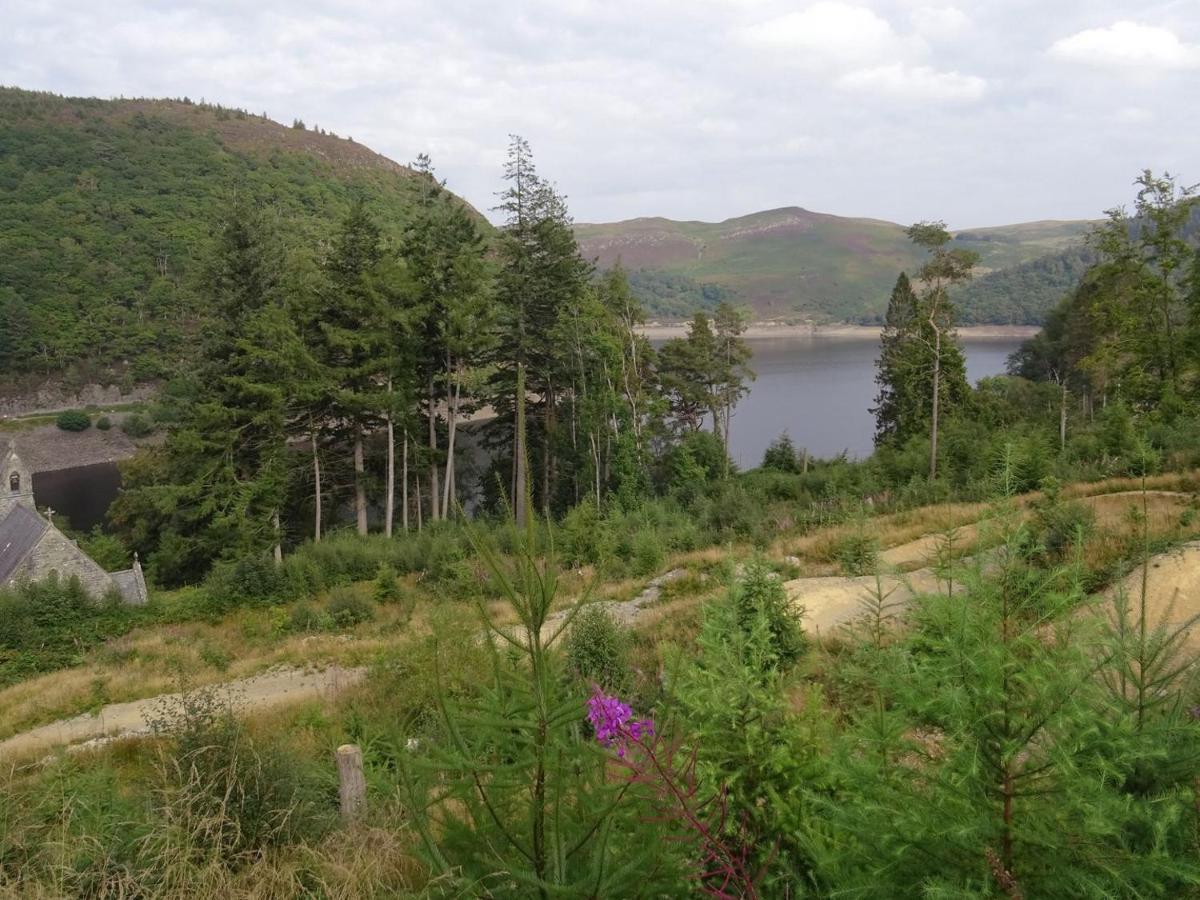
(793, 263)
(108, 208)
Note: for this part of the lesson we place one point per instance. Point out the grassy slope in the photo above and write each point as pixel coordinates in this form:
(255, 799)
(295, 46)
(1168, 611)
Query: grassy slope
(152, 660)
(795, 263)
(107, 210)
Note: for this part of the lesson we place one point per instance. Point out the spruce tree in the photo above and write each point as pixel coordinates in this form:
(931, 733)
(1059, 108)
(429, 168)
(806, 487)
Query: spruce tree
(218, 486)
(350, 334)
(448, 314)
(541, 276)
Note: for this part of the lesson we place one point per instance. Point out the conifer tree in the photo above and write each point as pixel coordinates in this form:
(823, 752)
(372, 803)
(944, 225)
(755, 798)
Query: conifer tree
(350, 337)
(449, 316)
(686, 373)
(732, 358)
(541, 275)
(218, 486)
(942, 269)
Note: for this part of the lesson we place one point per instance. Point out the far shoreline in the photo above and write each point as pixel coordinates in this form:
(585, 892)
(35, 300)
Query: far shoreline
(766, 330)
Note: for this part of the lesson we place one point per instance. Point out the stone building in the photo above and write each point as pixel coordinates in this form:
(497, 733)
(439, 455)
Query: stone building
(31, 548)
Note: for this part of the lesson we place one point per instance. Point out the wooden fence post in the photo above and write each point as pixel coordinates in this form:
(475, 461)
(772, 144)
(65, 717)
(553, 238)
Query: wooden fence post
(352, 785)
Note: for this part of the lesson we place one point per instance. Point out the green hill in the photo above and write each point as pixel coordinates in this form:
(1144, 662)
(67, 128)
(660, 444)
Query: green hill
(106, 210)
(793, 263)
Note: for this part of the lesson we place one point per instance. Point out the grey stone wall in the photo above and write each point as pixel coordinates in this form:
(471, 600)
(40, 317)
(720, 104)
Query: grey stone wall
(51, 398)
(56, 553)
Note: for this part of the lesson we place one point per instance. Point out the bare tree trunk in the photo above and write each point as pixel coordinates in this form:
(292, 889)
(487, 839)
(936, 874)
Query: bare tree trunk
(549, 424)
(433, 468)
(519, 461)
(390, 505)
(937, 391)
(1062, 418)
(316, 486)
(804, 464)
(728, 415)
(595, 446)
(360, 488)
(278, 539)
(546, 471)
(728, 405)
(448, 486)
(404, 482)
(417, 482)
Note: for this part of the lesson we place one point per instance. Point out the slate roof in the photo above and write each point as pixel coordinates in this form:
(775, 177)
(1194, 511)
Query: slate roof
(19, 533)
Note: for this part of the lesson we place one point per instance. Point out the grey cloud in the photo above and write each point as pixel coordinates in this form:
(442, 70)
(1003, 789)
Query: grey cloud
(902, 109)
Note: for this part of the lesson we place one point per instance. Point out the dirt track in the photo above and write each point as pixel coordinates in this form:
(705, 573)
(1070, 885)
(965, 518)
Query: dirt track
(273, 689)
(1172, 591)
(832, 601)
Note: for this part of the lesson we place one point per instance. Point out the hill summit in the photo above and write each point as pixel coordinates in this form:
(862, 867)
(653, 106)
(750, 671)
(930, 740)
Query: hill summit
(108, 208)
(792, 262)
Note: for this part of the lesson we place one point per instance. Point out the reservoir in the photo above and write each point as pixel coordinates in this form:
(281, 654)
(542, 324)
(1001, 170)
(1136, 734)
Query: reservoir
(820, 389)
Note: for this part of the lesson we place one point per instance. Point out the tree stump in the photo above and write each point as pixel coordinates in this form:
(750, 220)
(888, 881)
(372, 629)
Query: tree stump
(352, 786)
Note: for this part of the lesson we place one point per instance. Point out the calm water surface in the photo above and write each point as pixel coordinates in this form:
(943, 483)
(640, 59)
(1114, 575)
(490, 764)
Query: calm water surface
(818, 389)
(821, 389)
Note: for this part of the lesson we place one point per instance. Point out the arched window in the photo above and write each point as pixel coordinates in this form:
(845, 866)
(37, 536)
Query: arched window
(14, 482)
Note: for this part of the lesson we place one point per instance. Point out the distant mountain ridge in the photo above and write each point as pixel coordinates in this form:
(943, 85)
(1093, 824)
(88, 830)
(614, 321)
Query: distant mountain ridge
(793, 263)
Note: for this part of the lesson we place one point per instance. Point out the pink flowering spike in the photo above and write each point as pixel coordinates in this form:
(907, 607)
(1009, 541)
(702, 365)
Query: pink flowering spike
(611, 720)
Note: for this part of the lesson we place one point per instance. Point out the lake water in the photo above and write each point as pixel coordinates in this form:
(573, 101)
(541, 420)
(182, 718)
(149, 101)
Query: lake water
(818, 389)
(821, 389)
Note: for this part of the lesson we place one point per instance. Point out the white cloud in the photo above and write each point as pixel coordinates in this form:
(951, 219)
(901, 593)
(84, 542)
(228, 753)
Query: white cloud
(828, 30)
(687, 108)
(1127, 44)
(939, 22)
(915, 83)
(1133, 115)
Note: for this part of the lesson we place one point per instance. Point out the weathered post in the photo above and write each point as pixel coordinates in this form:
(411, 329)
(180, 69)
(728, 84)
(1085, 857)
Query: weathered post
(352, 786)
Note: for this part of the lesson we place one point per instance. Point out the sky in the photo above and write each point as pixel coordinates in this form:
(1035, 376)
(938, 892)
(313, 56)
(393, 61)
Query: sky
(979, 112)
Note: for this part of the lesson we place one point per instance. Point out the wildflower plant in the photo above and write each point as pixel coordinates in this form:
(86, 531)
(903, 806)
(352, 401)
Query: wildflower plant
(664, 774)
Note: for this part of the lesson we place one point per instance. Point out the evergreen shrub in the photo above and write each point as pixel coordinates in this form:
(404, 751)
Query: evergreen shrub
(73, 420)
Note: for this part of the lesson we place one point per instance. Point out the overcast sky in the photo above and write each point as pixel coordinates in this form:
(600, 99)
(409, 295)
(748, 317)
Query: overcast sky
(980, 112)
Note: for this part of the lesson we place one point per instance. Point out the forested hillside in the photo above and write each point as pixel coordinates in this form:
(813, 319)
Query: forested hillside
(107, 209)
(793, 263)
(1023, 294)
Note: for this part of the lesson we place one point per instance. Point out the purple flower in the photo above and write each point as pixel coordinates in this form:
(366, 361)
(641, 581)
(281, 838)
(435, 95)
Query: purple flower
(613, 721)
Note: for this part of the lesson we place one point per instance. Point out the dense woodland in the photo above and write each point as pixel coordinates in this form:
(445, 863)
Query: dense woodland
(108, 208)
(457, 456)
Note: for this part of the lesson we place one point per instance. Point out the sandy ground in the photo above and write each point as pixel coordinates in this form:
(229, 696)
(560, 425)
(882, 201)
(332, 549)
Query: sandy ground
(923, 551)
(833, 601)
(1172, 592)
(270, 690)
(763, 330)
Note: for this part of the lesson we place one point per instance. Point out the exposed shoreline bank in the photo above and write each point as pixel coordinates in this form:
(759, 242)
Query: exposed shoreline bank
(766, 330)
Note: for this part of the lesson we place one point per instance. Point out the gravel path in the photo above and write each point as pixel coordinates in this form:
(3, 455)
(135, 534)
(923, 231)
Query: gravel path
(270, 690)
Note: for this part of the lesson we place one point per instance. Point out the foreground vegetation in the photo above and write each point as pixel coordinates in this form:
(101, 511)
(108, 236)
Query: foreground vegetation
(1011, 736)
